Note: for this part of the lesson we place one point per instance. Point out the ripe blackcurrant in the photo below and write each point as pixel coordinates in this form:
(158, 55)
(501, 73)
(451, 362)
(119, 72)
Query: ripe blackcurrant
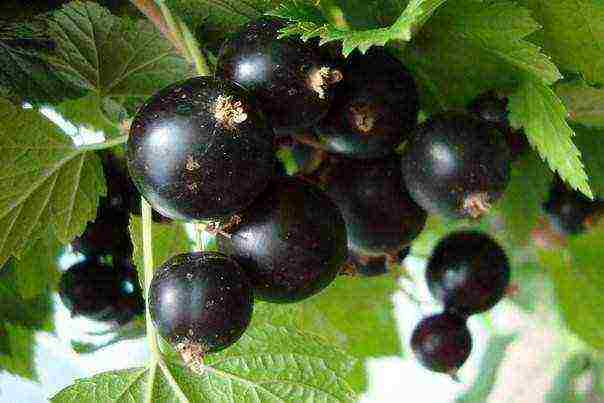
(200, 302)
(374, 109)
(380, 215)
(288, 76)
(468, 272)
(456, 165)
(442, 343)
(102, 292)
(200, 149)
(569, 211)
(493, 109)
(291, 241)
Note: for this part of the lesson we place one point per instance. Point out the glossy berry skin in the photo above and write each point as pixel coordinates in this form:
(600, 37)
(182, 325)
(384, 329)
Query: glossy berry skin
(381, 217)
(201, 299)
(289, 77)
(374, 109)
(291, 241)
(102, 292)
(442, 342)
(456, 165)
(468, 272)
(200, 149)
(569, 211)
(493, 109)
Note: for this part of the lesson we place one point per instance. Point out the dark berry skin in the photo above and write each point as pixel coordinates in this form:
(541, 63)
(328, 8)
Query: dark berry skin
(200, 149)
(381, 217)
(374, 109)
(98, 291)
(569, 211)
(289, 77)
(291, 241)
(456, 165)
(442, 343)
(494, 109)
(468, 272)
(201, 299)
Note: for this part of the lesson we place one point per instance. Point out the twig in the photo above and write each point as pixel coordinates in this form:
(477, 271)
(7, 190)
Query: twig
(154, 14)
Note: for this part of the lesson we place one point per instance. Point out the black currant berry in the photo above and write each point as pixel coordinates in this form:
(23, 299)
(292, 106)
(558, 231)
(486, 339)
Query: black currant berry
(291, 241)
(494, 109)
(380, 215)
(200, 149)
(288, 76)
(374, 109)
(456, 165)
(108, 234)
(569, 211)
(468, 272)
(200, 302)
(102, 292)
(442, 343)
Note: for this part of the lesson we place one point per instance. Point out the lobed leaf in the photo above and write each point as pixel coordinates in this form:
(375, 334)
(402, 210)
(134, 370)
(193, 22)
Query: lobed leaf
(573, 33)
(271, 364)
(111, 56)
(536, 108)
(307, 21)
(45, 181)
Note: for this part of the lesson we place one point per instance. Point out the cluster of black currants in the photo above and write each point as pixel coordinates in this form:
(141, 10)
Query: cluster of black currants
(104, 286)
(468, 273)
(204, 150)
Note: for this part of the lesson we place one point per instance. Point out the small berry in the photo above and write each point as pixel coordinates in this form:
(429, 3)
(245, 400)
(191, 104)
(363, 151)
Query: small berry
(200, 149)
(442, 343)
(569, 211)
(200, 302)
(102, 292)
(291, 241)
(456, 165)
(381, 217)
(374, 109)
(288, 76)
(468, 272)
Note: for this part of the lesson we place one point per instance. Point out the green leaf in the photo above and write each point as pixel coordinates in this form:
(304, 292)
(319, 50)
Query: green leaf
(585, 104)
(521, 204)
(459, 53)
(20, 343)
(87, 112)
(573, 33)
(591, 144)
(168, 240)
(329, 314)
(269, 364)
(46, 181)
(487, 374)
(578, 284)
(24, 70)
(38, 267)
(499, 28)
(111, 56)
(536, 108)
(308, 22)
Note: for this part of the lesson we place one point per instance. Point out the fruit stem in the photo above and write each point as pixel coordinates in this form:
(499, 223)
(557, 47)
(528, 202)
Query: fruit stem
(150, 10)
(199, 227)
(106, 144)
(192, 45)
(148, 270)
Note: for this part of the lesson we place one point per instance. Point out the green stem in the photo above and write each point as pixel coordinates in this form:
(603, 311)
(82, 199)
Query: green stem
(148, 268)
(106, 144)
(199, 229)
(193, 47)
